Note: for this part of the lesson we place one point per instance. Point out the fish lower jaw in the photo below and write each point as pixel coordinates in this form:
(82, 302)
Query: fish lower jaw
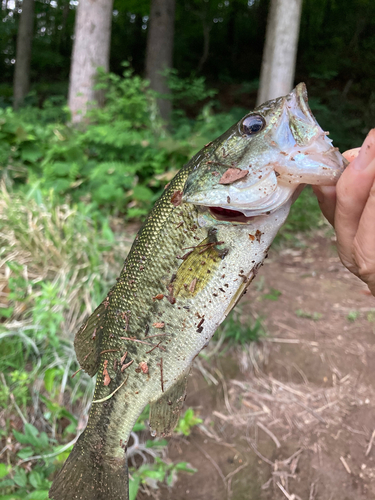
(246, 215)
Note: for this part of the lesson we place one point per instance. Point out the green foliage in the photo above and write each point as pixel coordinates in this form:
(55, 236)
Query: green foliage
(353, 315)
(315, 316)
(57, 270)
(157, 472)
(118, 160)
(304, 216)
(273, 295)
(239, 333)
(187, 421)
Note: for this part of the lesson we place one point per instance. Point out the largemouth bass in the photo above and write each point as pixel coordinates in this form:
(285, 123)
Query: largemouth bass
(194, 257)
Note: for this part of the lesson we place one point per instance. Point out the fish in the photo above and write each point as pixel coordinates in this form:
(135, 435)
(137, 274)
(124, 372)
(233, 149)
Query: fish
(192, 260)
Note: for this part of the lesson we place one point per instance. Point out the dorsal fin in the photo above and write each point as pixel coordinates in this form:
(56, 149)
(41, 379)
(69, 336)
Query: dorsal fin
(87, 341)
(165, 411)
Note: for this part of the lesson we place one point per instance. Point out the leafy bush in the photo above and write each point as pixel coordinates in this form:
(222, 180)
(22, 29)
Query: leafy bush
(120, 160)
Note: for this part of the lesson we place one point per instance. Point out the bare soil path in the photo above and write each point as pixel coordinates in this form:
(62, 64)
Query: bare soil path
(293, 416)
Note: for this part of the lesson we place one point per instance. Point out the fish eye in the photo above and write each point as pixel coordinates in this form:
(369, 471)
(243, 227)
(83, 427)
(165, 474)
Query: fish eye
(252, 124)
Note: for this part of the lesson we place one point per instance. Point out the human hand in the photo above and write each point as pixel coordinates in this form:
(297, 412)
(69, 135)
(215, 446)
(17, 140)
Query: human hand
(350, 208)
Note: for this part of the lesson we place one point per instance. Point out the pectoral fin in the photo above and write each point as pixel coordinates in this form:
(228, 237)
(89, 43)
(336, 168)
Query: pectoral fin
(87, 341)
(165, 411)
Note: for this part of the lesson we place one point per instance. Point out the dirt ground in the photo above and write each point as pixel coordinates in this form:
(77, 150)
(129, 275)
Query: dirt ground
(292, 416)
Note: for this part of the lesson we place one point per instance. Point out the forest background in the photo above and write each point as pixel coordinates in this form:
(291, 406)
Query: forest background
(73, 193)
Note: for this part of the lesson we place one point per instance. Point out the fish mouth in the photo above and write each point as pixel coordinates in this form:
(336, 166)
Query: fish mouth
(226, 215)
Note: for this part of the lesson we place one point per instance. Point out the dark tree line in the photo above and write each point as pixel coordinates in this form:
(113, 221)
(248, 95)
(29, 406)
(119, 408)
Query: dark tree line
(222, 40)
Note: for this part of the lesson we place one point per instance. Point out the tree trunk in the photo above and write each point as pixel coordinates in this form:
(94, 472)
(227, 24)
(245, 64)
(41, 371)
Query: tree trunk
(21, 82)
(280, 51)
(92, 36)
(159, 52)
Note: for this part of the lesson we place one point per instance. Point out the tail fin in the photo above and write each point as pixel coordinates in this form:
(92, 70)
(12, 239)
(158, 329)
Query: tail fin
(89, 475)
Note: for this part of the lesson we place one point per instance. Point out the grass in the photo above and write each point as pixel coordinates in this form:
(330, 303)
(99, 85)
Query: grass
(239, 331)
(56, 264)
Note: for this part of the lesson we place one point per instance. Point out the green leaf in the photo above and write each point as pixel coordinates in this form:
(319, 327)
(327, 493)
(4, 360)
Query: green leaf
(35, 479)
(37, 495)
(20, 477)
(142, 193)
(139, 427)
(49, 377)
(21, 438)
(31, 152)
(4, 470)
(6, 484)
(133, 487)
(25, 452)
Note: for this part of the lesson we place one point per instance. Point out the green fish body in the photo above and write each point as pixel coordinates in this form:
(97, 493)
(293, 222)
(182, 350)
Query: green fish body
(198, 250)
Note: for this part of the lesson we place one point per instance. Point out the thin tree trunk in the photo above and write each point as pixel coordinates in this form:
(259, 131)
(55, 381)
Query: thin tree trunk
(206, 45)
(280, 51)
(92, 37)
(21, 82)
(159, 52)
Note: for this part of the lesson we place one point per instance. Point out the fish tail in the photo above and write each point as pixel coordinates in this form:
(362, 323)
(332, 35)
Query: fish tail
(88, 474)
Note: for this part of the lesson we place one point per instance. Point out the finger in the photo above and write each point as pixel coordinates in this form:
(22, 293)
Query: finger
(364, 243)
(326, 196)
(351, 154)
(353, 190)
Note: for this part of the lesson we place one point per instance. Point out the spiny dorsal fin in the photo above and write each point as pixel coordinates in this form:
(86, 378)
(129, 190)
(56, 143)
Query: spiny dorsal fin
(165, 411)
(87, 341)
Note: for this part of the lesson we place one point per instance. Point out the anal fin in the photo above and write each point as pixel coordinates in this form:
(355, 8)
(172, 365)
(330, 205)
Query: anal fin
(165, 411)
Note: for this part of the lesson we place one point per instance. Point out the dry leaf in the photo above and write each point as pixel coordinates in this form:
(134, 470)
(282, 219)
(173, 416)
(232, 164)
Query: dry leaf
(158, 325)
(143, 366)
(176, 199)
(232, 175)
(107, 378)
(192, 285)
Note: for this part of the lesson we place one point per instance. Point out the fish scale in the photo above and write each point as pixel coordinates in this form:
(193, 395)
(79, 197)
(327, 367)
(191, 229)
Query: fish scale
(188, 267)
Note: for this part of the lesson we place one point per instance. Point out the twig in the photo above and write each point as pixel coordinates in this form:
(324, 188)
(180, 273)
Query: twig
(50, 455)
(18, 409)
(289, 497)
(258, 453)
(135, 340)
(117, 388)
(161, 374)
(347, 468)
(213, 463)
(271, 434)
(370, 443)
(312, 491)
(158, 335)
(75, 373)
(230, 476)
(225, 390)
(127, 364)
(155, 346)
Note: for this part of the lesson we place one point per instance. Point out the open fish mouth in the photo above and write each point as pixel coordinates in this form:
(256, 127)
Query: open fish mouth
(226, 215)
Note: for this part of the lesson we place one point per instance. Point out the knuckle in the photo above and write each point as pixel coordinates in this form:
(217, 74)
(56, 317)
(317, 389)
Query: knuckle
(364, 263)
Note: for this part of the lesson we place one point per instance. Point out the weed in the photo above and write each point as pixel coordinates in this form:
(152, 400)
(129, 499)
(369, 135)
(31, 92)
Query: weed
(157, 472)
(238, 332)
(315, 316)
(353, 315)
(273, 294)
(187, 421)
